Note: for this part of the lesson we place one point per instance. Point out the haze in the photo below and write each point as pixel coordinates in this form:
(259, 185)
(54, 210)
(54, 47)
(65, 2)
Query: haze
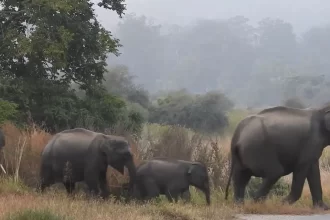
(221, 45)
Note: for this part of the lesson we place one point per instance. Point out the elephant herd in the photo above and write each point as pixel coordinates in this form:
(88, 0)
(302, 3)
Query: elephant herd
(78, 154)
(270, 144)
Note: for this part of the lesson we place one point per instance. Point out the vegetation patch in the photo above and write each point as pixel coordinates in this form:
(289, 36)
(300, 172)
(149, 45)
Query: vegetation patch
(35, 215)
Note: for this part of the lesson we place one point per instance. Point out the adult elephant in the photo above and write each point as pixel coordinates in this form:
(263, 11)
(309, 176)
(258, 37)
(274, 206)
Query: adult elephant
(171, 178)
(78, 154)
(276, 142)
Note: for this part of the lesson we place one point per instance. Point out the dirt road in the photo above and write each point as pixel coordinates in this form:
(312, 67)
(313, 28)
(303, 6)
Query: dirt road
(284, 217)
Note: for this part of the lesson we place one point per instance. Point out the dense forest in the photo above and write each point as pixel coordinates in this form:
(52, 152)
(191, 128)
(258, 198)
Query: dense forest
(60, 68)
(256, 66)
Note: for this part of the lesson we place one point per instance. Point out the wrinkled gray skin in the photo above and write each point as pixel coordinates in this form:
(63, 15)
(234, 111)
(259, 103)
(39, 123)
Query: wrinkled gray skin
(78, 154)
(185, 196)
(171, 178)
(276, 142)
(2, 140)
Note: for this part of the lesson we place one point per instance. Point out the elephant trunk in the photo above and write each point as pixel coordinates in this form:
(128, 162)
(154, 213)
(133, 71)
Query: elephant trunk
(132, 175)
(207, 193)
(207, 196)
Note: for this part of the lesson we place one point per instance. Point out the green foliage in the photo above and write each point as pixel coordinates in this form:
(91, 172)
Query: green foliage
(8, 111)
(206, 113)
(29, 214)
(119, 81)
(60, 43)
(280, 188)
(55, 39)
(9, 185)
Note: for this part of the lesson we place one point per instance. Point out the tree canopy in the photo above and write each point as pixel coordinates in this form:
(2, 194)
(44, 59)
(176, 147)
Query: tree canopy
(45, 47)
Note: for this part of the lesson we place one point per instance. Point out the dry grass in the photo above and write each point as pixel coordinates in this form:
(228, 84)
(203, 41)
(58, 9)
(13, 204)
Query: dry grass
(172, 141)
(82, 209)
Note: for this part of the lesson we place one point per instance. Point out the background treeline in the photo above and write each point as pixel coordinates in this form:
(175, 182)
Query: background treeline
(255, 65)
(54, 69)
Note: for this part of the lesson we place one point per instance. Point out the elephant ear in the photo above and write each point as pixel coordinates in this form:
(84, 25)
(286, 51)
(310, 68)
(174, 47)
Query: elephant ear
(327, 120)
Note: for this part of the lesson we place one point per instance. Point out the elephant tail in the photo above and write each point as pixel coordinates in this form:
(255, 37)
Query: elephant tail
(233, 160)
(229, 179)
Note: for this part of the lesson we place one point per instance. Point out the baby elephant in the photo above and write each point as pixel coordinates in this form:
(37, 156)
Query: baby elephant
(171, 178)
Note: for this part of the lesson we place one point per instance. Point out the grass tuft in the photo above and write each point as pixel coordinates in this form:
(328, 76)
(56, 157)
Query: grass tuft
(34, 215)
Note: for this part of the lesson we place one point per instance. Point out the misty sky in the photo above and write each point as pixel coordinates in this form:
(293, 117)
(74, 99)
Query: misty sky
(302, 14)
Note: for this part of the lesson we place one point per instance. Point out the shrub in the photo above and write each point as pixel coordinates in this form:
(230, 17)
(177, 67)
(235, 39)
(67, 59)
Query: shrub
(203, 113)
(280, 188)
(8, 111)
(35, 215)
(178, 142)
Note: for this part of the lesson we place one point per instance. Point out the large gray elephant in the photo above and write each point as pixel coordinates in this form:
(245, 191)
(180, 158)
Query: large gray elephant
(278, 141)
(171, 178)
(2, 140)
(78, 154)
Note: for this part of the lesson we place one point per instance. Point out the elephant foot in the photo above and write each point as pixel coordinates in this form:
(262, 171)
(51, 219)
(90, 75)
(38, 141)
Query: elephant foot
(259, 199)
(320, 205)
(239, 201)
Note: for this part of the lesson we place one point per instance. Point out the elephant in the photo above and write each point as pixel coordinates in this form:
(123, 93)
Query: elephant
(2, 140)
(81, 155)
(185, 195)
(170, 177)
(278, 141)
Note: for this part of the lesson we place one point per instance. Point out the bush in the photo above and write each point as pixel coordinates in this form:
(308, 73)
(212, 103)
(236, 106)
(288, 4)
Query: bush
(8, 111)
(280, 188)
(178, 142)
(203, 113)
(35, 215)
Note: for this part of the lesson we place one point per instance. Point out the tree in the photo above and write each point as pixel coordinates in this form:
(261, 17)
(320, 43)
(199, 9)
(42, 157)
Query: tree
(45, 46)
(119, 81)
(55, 40)
(204, 113)
(142, 51)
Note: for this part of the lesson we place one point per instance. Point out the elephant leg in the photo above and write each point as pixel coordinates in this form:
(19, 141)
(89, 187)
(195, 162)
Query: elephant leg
(91, 180)
(44, 184)
(185, 195)
(151, 189)
(298, 180)
(314, 182)
(266, 186)
(105, 191)
(47, 178)
(69, 186)
(170, 195)
(240, 178)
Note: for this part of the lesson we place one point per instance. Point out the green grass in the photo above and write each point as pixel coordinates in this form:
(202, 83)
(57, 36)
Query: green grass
(29, 214)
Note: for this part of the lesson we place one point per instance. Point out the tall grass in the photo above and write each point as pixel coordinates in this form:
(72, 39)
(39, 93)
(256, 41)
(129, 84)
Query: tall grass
(21, 160)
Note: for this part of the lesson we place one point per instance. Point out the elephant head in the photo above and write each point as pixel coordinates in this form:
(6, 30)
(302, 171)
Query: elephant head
(118, 155)
(198, 177)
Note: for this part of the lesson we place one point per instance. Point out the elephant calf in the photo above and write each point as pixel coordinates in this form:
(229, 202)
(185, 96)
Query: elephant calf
(171, 178)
